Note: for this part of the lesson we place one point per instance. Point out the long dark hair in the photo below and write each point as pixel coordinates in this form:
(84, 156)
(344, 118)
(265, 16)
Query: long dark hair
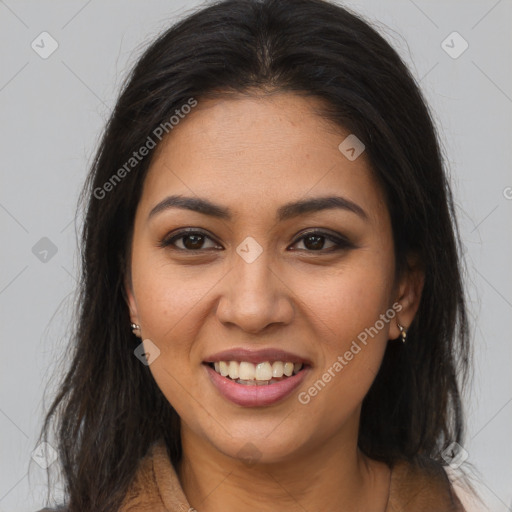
(109, 410)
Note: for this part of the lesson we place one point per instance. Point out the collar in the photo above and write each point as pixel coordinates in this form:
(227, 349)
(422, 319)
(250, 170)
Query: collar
(419, 487)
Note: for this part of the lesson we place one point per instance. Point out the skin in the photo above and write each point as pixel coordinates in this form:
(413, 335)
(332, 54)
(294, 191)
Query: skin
(253, 154)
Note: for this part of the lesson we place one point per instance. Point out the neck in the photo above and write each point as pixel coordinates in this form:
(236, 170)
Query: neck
(332, 476)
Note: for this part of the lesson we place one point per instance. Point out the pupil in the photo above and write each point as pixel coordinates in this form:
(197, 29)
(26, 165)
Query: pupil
(198, 239)
(317, 244)
(193, 245)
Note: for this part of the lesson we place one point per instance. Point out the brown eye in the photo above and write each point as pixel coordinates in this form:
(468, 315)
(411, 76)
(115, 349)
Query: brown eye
(316, 240)
(188, 241)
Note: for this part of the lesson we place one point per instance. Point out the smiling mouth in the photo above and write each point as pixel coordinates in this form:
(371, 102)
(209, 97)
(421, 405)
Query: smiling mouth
(260, 374)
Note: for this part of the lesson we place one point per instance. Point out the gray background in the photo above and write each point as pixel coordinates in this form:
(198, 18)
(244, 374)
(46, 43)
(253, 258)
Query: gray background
(54, 109)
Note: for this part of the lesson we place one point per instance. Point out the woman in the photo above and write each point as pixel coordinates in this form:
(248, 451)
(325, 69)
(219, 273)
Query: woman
(271, 312)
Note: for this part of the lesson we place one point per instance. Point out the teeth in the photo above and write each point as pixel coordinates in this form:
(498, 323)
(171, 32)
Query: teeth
(263, 371)
(246, 371)
(247, 382)
(256, 382)
(223, 368)
(288, 369)
(277, 369)
(260, 374)
(233, 370)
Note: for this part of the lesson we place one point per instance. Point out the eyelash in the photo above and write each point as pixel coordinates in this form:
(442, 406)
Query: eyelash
(340, 242)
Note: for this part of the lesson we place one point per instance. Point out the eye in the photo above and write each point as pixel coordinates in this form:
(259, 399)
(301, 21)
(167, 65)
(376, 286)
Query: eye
(315, 241)
(193, 240)
(190, 240)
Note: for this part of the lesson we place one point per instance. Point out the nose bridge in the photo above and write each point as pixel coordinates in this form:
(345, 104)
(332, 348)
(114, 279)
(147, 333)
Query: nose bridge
(253, 279)
(254, 297)
(253, 276)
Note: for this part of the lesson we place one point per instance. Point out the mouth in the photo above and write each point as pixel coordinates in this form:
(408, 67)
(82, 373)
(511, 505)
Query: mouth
(265, 373)
(260, 384)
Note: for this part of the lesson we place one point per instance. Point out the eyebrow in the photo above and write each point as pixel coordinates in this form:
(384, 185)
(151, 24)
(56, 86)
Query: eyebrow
(285, 212)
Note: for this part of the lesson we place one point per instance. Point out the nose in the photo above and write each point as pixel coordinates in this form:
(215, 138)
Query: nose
(254, 296)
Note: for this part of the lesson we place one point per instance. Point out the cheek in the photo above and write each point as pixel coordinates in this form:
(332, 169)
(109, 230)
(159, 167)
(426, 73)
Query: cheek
(351, 314)
(169, 308)
(345, 302)
(169, 298)
(172, 305)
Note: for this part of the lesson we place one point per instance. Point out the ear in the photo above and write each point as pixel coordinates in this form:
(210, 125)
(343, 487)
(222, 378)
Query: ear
(410, 288)
(130, 299)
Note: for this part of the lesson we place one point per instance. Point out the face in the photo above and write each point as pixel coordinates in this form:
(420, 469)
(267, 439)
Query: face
(263, 283)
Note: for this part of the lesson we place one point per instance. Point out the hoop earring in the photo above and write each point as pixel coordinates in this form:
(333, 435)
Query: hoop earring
(403, 332)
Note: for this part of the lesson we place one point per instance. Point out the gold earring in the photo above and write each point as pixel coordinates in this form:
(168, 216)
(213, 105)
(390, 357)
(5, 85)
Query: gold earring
(403, 332)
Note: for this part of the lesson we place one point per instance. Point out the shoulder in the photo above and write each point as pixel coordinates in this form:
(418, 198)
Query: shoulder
(144, 493)
(422, 485)
(466, 491)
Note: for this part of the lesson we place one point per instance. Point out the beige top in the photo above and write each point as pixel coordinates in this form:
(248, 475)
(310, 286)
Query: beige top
(156, 488)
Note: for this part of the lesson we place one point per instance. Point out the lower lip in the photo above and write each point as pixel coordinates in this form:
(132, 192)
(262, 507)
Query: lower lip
(255, 396)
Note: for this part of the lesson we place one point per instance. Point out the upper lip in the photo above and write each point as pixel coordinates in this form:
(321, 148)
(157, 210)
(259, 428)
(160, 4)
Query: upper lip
(256, 356)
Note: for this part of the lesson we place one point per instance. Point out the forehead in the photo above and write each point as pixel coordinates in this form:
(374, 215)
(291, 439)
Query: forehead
(247, 151)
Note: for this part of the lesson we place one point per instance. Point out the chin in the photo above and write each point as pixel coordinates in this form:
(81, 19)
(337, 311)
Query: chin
(267, 445)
